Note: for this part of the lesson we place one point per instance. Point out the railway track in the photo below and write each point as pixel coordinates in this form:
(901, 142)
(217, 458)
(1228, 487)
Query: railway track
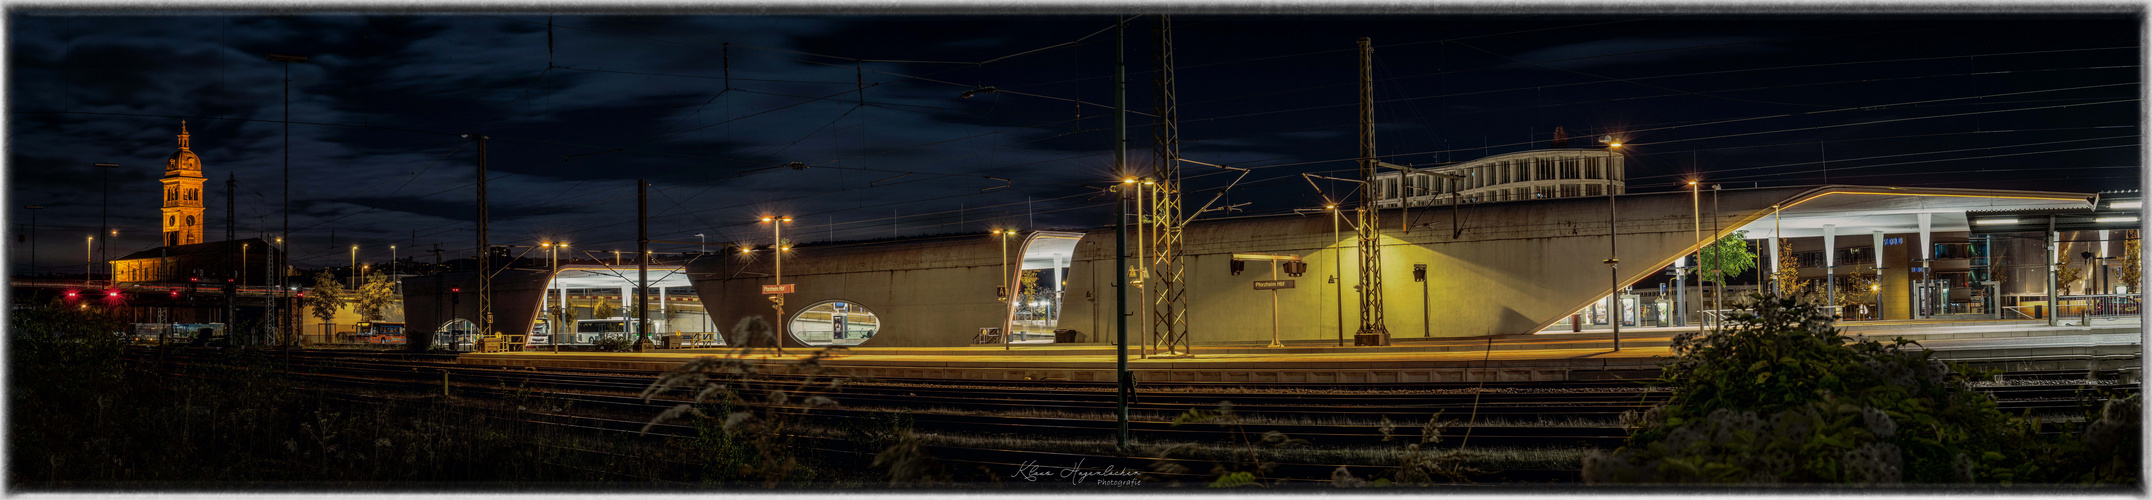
(1525, 415)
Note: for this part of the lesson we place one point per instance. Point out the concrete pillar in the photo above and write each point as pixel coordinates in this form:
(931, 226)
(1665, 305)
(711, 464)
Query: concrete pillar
(2053, 248)
(1879, 273)
(1774, 261)
(626, 292)
(662, 304)
(2101, 271)
(1926, 254)
(1830, 263)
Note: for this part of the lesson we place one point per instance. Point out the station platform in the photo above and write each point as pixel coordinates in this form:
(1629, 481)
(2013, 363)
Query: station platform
(2011, 345)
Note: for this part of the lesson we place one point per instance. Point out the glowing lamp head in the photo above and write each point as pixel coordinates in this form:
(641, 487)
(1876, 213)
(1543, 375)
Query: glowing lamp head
(1614, 145)
(788, 220)
(1130, 180)
(767, 218)
(1330, 207)
(746, 250)
(1873, 288)
(784, 249)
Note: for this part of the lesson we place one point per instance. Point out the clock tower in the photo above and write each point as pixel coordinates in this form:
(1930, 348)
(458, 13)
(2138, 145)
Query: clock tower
(183, 195)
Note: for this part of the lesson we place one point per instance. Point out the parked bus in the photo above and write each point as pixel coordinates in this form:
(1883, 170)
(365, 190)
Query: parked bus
(379, 332)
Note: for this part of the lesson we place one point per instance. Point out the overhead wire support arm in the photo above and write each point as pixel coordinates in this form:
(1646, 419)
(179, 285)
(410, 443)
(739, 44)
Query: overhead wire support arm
(1214, 198)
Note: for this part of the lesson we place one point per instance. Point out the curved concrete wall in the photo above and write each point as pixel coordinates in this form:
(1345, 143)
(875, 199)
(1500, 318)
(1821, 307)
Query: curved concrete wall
(1500, 268)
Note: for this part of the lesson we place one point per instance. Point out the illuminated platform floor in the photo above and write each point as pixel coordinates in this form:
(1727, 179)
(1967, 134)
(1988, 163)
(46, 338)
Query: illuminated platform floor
(1549, 356)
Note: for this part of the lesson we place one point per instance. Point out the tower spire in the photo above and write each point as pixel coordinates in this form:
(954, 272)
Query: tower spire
(182, 134)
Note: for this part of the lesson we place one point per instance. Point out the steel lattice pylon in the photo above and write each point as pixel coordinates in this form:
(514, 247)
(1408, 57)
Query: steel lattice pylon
(1169, 308)
(1371, 321)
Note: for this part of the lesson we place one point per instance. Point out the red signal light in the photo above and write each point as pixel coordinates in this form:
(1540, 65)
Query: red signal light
(175, 294)
(456, 290)
(71, 294)
(196, 279)
(114, 293)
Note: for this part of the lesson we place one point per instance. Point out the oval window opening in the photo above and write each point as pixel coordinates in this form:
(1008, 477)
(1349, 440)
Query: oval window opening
(833, 322)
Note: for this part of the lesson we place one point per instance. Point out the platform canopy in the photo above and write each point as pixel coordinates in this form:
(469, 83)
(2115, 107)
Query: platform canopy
(589, 276)
(1856, 211)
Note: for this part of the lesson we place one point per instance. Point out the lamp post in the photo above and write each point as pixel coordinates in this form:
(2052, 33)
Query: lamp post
(392, 267)
(1005, 291)
(104, 210)
(243, 264)
(33, 235)
(560, 321)
(1337, 270)
(1718, 300)
(87, 263)
(777, 251)
(1696, 213)
(354, 267)
(1613, 261)
(704, 245)
(284, 279)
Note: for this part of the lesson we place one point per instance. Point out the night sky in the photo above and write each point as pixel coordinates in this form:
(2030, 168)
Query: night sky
(579, 106)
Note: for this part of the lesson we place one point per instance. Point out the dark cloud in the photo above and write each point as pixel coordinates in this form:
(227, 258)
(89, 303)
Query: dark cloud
(582, 108)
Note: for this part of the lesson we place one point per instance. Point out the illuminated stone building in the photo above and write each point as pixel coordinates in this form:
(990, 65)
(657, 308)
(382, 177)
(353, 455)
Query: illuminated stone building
(185, 253)
(183, 195)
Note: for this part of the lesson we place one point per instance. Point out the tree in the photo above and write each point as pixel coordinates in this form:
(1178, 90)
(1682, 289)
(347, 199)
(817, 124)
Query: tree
(2132, 261)
(2066, 276)
(1789, 272)
(1728, 257)
(372, 299)
(326, 296)
(604, 310)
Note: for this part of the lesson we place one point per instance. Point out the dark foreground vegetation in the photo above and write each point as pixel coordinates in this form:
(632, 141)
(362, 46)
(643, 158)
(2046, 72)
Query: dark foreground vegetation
(1780, 399)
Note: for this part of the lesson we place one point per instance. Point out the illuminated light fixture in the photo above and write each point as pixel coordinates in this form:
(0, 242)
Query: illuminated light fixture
(1874, 288)
(114, 293)
(1330, 207)
(785, 249)
(1149, 181)
(1990, 222)
(746, 250)
(1130, 180)
(1692, 183)
(2126, 204)
(766, 218)
(997, 231)
(788, 219)
(2115, 219)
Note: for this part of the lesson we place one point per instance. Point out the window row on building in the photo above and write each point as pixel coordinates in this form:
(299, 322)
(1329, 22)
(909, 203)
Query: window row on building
(1526, 175)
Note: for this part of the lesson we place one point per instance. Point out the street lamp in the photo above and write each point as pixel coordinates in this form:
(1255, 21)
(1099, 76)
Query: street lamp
(104, 209)
(1696, 213)
(560, 320)
(778, 249)
(704, 245)
(1718, 300)
(284, 279)
(1001, 290)
(354, 266)
(33, 235)
(1337, 269)
(87, 264)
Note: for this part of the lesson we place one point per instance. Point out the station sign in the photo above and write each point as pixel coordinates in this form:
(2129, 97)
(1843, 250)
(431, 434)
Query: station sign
(777, 289)
(1273, 284)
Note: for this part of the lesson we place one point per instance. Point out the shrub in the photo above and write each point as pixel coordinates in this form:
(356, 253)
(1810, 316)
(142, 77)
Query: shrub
(1780, 396)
